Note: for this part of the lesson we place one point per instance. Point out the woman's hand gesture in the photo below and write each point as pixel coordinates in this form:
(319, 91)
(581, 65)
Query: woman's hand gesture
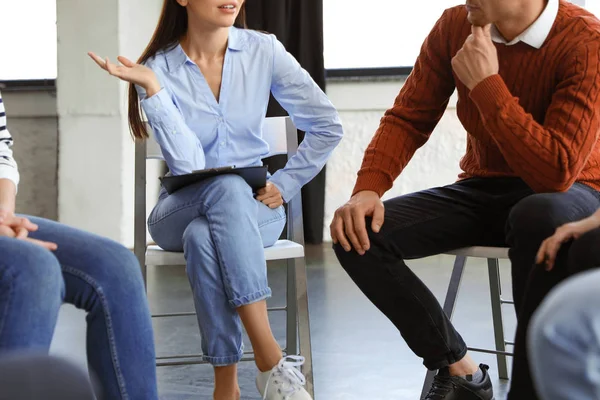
(131, 72)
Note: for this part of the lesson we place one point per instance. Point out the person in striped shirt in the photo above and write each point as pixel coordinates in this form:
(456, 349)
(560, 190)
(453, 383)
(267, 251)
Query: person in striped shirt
(8, 166)
(44, 264)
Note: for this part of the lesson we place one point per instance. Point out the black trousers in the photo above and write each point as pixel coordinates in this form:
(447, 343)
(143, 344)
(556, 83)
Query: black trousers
(474, 212)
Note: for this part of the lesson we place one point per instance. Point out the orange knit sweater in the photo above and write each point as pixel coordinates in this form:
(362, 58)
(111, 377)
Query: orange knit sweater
(538, 119)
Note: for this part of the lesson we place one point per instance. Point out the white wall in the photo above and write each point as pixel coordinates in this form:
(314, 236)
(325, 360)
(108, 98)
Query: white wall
(96, 151)
(33, 124)
(361, 105)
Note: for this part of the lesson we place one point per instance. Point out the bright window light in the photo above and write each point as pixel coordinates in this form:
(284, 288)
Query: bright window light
(593, 6)
(383, 33)
(28, 35)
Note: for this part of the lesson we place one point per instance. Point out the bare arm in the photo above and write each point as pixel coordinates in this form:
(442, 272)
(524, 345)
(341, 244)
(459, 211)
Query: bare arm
(8, 193)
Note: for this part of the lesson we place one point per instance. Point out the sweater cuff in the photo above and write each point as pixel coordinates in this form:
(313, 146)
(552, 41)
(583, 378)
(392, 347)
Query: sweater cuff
(375, 181)
(490, 95)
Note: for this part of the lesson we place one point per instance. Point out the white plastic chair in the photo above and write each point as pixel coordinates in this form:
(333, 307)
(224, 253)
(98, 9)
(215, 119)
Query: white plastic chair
(281, 134)
(493, 255)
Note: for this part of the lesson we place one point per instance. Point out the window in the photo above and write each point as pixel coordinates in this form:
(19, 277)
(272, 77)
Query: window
(28, 35)
(378, 34)
(384, 33)
(593, 6)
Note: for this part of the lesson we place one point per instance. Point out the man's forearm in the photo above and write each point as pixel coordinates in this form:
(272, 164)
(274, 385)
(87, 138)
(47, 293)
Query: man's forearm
(596, 217)
(547, 154)
(8, 193)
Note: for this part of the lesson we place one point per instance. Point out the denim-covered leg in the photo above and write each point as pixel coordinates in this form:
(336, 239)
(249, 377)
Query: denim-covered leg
(31, 293)
(220, 325)
(104, 278)
(223, 231)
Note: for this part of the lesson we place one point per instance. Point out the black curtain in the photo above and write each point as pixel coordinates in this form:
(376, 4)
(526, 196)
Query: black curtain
(298, 24)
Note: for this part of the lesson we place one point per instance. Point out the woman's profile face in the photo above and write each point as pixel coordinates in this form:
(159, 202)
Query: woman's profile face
(218, 13)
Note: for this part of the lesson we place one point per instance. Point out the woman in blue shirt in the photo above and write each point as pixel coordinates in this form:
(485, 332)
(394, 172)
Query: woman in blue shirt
(204, 86)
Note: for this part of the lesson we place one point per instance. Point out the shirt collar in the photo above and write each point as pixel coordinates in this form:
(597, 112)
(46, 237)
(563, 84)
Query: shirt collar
(236, 39)
(176, 57)
(537, 33)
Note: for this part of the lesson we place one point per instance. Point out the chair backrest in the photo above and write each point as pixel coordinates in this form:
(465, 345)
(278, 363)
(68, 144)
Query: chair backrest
(282, 137)
(272, 132)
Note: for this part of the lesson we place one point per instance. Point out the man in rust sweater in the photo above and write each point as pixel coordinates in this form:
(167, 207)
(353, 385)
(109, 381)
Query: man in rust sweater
(527, 74)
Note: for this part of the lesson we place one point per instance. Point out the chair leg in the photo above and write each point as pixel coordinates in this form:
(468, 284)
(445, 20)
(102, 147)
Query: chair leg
(301, 304)
(449, 304)
(495, 294)
(145, 276)
(291, 343)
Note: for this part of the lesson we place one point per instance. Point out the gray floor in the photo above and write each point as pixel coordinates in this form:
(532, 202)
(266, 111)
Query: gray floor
(358, 354)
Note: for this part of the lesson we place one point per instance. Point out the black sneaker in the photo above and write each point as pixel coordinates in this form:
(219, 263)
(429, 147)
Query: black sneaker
(446, 387)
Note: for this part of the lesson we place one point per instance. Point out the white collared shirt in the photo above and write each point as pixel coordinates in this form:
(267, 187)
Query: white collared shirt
(537, 33)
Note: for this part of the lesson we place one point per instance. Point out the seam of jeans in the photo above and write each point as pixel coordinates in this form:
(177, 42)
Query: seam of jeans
(10, 298)
(176, 209)
(105, 309)
(276, 218)
(224, 272)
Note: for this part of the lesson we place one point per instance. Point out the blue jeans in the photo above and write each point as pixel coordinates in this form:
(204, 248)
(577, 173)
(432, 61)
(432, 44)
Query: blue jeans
(564, 340)
(94, 274)
(222, 231)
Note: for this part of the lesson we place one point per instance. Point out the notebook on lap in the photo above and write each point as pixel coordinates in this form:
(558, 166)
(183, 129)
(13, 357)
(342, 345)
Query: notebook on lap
(256, 177)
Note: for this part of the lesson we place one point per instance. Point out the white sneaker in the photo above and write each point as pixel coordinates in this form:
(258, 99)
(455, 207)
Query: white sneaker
(284, 381)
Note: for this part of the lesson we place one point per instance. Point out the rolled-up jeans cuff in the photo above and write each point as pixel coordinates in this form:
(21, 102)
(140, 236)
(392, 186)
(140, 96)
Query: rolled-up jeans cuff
(224, 361)
(250, 298)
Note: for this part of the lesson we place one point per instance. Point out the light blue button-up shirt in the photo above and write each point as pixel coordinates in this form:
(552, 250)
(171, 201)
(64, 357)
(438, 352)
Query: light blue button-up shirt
(196, 132)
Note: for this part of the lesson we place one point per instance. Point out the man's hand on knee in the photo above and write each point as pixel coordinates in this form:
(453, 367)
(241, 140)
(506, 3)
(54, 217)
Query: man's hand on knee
(348, 227)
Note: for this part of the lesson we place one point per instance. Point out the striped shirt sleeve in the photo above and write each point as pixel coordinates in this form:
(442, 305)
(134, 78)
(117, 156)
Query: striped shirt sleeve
(8, 165)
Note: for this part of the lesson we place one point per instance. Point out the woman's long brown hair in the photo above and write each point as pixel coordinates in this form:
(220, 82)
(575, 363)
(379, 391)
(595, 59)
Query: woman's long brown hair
(172, 26)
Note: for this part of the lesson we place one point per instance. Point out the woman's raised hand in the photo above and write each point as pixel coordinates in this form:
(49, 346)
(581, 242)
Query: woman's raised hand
(131, 72)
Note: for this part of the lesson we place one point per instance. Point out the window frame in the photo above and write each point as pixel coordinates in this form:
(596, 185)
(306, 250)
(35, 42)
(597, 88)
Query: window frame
(384, 72)
(367, 73)
(26, 85)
